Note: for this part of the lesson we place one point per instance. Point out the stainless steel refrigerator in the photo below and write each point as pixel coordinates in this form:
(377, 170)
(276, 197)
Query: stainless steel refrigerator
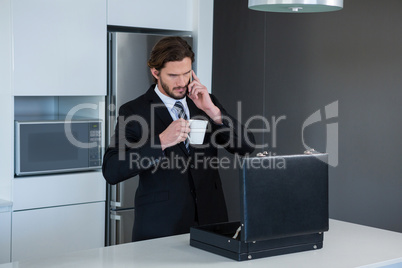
(128, 78)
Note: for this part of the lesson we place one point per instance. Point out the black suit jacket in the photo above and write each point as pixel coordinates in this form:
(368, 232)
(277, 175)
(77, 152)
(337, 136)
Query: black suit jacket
(177, 189)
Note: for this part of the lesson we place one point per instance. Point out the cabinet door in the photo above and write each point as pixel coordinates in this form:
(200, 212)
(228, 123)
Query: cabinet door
(155, 14)
(5, 236)
(59, 47)
(45, 232)
(33, 192)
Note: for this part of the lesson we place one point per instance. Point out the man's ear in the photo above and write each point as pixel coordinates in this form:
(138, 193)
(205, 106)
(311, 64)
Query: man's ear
(155, 73)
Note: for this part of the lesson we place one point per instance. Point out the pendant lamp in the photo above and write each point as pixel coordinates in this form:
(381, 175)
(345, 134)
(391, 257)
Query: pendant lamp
(296, 6)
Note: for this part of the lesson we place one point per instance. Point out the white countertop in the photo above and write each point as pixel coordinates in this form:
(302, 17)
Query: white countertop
(345, 245)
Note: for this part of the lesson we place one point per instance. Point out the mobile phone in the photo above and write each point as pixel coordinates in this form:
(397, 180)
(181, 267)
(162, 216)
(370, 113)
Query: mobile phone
(191, 80)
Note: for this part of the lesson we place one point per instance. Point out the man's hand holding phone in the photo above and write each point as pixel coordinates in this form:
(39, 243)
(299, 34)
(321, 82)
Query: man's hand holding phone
(199, 94)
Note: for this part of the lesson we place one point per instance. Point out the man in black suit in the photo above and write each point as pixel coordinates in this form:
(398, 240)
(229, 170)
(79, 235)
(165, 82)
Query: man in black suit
(179, 183)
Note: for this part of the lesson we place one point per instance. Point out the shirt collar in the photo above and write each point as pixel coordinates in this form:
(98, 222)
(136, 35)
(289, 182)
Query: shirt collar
(168, 101)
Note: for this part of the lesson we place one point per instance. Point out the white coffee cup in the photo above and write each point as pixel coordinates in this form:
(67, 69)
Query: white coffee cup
(197, 131)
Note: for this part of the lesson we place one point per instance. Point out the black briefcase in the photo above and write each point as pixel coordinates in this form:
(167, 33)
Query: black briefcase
(284, 209)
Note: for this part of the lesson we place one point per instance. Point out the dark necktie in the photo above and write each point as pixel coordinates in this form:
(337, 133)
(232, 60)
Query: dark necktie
(178, 106)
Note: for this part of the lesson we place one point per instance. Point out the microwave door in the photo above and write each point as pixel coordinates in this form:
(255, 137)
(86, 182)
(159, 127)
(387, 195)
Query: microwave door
(44, 148)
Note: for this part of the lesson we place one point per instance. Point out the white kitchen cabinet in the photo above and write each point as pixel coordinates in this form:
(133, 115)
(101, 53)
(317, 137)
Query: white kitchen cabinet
(59, 47)
(34, 192)
(54, 214)
(5, 231)
(51, 231)
(154, 14)
(195, 16)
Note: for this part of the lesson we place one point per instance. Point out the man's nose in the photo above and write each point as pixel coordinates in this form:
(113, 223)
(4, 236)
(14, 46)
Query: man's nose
(181, 81)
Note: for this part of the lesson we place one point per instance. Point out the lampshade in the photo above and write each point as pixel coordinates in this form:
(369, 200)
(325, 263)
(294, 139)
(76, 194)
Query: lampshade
(296, 6)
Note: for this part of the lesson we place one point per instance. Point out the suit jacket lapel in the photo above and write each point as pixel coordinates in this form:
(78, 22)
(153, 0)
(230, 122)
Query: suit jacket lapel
(158, 107)
(194, 111)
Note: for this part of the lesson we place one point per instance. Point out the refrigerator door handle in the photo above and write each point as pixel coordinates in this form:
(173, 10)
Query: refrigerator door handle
(115, 204)
(111, 111)
(116, 229)
(115, 201)
(115, 217)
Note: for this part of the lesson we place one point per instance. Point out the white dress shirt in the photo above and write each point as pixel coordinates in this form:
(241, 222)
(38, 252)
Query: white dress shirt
(169, 103)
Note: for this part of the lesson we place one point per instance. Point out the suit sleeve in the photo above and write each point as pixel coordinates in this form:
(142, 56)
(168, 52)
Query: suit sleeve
(132, 149)
(232, 135)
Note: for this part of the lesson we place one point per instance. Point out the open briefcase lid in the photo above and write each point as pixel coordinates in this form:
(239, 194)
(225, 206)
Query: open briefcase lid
(283, 196)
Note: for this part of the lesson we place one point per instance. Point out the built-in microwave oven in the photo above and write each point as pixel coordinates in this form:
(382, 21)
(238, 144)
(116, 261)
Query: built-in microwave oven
(49, 144)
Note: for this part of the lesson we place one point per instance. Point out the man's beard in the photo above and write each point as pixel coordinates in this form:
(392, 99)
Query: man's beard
(170, 92)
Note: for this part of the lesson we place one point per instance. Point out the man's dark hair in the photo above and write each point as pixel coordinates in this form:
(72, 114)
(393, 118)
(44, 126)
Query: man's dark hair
(171, 48)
